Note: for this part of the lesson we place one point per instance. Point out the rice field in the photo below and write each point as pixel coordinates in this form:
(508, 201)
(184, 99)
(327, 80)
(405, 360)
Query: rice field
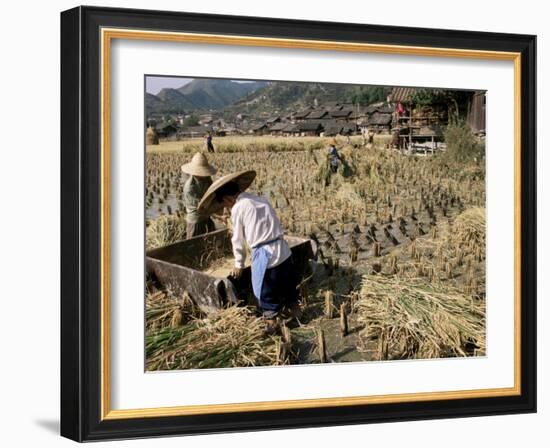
(250, 143)
(401, 266)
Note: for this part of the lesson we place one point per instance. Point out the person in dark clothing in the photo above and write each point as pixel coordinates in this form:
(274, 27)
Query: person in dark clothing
(198, 174)
(334, 157)
(209, 145)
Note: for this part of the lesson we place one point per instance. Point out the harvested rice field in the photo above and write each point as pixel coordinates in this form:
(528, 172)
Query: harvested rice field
(400, 272)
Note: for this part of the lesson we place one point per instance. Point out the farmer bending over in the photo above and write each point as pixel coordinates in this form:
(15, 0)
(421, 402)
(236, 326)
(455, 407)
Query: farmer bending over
(255, 222)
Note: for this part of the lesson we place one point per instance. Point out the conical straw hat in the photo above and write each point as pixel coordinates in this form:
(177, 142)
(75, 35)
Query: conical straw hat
(208, 203)
(199, 166)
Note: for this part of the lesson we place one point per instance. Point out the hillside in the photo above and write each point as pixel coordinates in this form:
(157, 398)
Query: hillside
(216, 93)
(199, 95)
(281, 98)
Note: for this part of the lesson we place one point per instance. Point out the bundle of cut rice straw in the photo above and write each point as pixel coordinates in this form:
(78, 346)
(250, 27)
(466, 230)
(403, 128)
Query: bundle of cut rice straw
(231, 337)
(469, 228)
(164, 230)
(411, 318)
(163, 309)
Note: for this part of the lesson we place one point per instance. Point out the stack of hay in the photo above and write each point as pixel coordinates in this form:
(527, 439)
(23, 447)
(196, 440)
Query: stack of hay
(469, 229)
(151, 136)
(164, 310)
(231, 337)
(412, 318)
(164, 230)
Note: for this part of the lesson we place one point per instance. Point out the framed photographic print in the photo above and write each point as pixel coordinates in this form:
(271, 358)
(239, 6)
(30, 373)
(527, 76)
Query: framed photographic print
(273, 223)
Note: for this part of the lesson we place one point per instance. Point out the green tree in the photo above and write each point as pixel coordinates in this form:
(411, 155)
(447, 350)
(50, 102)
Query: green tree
(456, 100)
(191, 120)
(462, 145)
(368, 94)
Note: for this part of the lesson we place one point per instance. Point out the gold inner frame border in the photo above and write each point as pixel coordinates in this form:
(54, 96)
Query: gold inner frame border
(107, 35)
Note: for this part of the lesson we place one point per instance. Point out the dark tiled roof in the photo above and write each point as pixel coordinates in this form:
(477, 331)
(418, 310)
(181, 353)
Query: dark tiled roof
(259, 127)
(163, 126)
(333, 130)
(317, 114)
(310, 126)
(278, 126)
(380, 119)
(341, 113)
(291, 127)
(302, 113)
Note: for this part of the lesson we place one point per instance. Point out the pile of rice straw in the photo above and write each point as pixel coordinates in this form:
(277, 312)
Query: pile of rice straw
(231, 337)
(469, 229)
(411, 318)
(163, 309)
(164, 230)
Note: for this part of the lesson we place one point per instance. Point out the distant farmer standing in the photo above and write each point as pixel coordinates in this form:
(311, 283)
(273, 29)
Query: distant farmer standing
(333, 157)
(255, 223)
(209, 145)
(198, 182)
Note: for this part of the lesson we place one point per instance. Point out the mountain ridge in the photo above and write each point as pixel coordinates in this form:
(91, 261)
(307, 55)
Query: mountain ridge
(199, 95)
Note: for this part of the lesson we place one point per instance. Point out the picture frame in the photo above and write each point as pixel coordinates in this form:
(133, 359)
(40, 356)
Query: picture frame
(86, 37)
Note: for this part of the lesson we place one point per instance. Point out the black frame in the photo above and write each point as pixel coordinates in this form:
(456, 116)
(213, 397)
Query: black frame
(81, 225)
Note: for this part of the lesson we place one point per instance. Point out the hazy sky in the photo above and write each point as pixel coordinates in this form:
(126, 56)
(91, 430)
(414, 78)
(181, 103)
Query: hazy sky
(154, 84)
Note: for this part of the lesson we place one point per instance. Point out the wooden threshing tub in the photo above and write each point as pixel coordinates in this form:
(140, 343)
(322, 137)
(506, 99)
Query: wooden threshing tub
(180, 266)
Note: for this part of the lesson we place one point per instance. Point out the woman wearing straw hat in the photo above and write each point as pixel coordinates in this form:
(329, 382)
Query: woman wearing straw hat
(255, 223)
(200, 172)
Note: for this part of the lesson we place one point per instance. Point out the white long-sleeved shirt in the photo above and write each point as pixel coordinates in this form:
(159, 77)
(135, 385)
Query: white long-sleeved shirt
(254, 221)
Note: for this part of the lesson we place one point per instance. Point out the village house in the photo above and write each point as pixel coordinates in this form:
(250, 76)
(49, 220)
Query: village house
(193, 131)
(379, 123)
(310, 128)
(260, 129)
(333, 128)
(277, 128)
(302, 114)
(342, 114)
(291, 130)
(166, 130)
(317, 114)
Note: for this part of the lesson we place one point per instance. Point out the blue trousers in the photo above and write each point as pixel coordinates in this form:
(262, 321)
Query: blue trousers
(278, 288)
